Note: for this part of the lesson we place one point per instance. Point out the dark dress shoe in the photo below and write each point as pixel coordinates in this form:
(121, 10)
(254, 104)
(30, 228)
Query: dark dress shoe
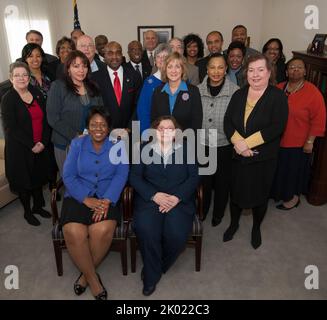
(256, 239)
(282, 207)
(29, 217)
(78, 288)
(215, 222)
(43, 213)
(102, 295)
(229, 233)
(147, 291)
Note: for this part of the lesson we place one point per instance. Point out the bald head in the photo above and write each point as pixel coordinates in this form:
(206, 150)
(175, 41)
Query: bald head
(113, 55)
(135, 51)
(86, 44)
(150, 40)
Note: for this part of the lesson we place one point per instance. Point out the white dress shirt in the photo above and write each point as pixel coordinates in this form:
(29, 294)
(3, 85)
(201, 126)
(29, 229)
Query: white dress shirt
(120, 74)
(139, 64)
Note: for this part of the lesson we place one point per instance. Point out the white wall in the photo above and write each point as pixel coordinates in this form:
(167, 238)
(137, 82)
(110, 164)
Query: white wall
(118, 19)
(284, 19)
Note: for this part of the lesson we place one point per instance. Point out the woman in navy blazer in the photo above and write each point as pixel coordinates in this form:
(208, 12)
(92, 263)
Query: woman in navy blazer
(177, 98)
(164, 201)
(95, 173)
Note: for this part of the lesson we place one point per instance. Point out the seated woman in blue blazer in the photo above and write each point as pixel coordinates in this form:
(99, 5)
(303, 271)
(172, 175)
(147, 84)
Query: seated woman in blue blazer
(94, 175)
(164, 201)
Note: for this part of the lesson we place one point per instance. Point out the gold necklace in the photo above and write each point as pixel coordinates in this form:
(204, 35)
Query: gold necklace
(297, 88)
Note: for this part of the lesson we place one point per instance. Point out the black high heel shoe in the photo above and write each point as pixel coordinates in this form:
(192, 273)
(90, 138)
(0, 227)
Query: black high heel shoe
(102, 295)
(78, 288)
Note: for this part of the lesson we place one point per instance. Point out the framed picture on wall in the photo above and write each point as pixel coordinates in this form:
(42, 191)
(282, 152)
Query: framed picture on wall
(318, 44)
(165, 33)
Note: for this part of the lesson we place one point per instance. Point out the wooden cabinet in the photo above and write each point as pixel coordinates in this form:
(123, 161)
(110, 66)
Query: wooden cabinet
(317, 74)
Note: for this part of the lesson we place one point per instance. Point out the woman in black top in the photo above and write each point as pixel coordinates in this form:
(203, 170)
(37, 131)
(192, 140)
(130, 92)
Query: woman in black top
(26, 136)
(254, 122)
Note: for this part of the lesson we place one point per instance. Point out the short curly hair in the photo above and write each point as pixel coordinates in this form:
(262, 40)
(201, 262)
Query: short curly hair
(190, 38)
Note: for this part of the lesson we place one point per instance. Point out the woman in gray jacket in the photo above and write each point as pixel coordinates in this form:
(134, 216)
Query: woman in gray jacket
(69, 101)
(216, 91)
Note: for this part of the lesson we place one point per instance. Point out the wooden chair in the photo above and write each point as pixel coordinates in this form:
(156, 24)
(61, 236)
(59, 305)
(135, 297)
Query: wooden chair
(119, 242)
(194, 240)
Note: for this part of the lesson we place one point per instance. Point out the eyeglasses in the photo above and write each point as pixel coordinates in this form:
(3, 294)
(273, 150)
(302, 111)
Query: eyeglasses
(25, 75)
(162, 57)
(295, 67)
(94, 126)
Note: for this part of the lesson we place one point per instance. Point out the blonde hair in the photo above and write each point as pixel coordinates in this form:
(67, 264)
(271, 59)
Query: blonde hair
(174, 56)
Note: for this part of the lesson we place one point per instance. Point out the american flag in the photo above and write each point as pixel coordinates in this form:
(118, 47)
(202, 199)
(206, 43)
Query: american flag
(76, 20)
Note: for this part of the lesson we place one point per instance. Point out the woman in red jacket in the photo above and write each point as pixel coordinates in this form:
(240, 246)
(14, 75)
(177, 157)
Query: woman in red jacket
(306, 121)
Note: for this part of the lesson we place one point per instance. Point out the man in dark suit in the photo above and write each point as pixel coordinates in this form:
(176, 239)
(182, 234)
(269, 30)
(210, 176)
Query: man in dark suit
(142, 70)
(150, 43)
(215, 41)
(118, 86)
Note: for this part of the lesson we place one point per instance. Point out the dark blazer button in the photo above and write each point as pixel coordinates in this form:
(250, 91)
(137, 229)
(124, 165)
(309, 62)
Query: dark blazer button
(97, 161)
(211, 105)
(210, 120)
(96, 175)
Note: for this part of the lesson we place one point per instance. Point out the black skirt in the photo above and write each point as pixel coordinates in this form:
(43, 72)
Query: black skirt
(251, 182)
(292, 175)
(73, 211)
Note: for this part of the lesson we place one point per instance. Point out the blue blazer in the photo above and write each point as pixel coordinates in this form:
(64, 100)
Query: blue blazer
(180, 180)
(87, 173)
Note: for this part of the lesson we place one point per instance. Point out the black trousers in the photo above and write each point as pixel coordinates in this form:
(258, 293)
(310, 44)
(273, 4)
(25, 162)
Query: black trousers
(38, 199)
(219, 182)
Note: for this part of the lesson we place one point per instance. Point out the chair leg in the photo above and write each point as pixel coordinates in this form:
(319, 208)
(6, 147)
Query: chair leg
(198, 248)
(58, 256)
(123, 255)
(133, 254)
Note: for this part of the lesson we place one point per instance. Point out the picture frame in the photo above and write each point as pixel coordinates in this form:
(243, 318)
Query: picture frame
(318, 44)
(165, 33)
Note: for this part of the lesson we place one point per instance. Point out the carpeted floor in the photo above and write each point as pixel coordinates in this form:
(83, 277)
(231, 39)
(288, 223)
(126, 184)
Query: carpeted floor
(233, 270)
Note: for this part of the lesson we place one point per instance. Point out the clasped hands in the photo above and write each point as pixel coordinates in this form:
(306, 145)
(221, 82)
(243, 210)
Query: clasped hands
(38, 147)
(165, 201)
(242, 149)
(100, 207)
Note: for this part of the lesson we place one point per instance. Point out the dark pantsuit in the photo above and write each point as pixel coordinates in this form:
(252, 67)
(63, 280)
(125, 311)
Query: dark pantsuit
(219, 182)
(161, 238)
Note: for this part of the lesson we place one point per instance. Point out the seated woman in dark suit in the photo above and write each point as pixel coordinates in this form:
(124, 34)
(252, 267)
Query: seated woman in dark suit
(177, 98)
(26, 136)
(254, 122)
(164, 205)
(94, 178)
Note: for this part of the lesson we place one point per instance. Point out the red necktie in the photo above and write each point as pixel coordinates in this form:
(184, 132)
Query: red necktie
(117, 88)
